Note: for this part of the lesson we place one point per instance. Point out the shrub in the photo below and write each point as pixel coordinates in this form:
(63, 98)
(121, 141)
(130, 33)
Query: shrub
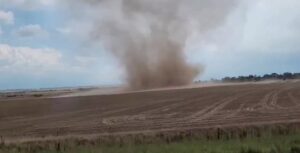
(250, 150)
(295, 150)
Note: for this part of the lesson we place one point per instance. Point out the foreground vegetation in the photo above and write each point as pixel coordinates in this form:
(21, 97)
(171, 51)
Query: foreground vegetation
(265, 144)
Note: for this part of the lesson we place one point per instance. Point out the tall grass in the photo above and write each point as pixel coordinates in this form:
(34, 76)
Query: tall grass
(265, 144)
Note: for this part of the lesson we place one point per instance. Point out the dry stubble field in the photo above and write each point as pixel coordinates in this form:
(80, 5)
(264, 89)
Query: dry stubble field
(151, 111)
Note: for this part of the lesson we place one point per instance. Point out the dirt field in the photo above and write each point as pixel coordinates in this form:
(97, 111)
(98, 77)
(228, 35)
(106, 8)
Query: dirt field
(163, 110)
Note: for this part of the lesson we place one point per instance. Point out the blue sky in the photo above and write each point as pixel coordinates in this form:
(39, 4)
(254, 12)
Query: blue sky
(41, 45)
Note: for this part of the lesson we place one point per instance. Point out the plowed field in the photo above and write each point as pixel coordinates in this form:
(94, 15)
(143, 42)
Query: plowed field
(164, 110)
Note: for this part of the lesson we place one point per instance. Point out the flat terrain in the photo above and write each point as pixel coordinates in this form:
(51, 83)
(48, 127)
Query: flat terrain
(155, 111)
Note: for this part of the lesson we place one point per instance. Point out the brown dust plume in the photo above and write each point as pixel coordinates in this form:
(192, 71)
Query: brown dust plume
(149, 37)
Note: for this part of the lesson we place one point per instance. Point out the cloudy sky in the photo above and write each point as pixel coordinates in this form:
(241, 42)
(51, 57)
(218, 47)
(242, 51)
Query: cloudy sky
(42, 45)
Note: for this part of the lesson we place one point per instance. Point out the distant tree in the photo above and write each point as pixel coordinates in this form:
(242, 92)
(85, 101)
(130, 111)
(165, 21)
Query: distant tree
(267, 76)
(257, 78)
(227, 79)
(296, 75)
(273, 76)
(287, 75)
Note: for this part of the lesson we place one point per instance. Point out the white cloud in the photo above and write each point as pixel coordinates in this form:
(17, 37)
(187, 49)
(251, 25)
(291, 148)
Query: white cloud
(86, 60)
(1, 32)
(272, 26)
(64, 30)
(26, 67)
(263, 37)
(47, 2)
(31, 31)
(260, 27)
(6, 17)
(23, 59)
(27, 4)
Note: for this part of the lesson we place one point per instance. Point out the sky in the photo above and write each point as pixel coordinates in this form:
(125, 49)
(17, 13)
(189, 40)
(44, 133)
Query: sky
(42, 45)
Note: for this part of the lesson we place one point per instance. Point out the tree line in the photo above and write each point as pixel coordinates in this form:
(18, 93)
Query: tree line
(273, 76)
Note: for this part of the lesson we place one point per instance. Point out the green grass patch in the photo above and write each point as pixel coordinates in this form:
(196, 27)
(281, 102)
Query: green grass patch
(266, 144)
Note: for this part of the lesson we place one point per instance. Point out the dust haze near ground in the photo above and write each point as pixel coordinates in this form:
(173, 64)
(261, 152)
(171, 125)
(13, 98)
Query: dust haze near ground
(149, 37)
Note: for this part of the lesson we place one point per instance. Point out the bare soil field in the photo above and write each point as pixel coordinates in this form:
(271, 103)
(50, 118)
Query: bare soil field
(151, 111)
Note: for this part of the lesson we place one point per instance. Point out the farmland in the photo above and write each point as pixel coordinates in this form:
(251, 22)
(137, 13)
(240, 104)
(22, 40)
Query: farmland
(184, 111)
